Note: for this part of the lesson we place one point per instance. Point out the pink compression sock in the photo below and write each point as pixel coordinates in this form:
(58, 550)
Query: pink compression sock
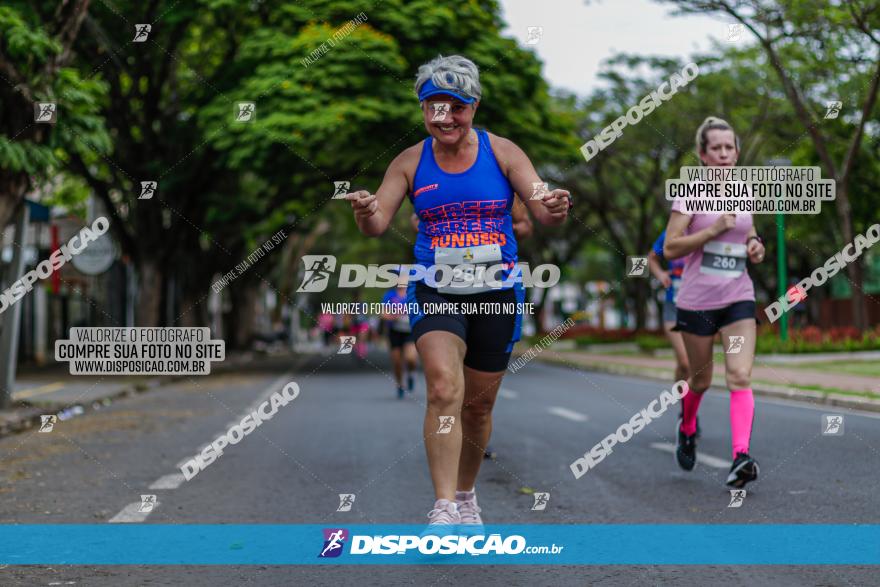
(690, 404)
(742, 412)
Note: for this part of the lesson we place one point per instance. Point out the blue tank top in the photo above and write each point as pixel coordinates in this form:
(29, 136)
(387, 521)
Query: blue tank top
(467, 210)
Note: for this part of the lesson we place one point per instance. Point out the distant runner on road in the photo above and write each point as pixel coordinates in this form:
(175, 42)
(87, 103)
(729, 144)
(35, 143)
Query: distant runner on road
(400, 340)
(671, 280)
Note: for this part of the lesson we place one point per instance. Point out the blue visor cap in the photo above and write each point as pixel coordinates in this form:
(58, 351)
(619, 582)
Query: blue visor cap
(428, 89)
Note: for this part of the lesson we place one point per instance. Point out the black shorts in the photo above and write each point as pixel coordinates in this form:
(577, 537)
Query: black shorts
(398, 339)
(708, 322)
(489, 337)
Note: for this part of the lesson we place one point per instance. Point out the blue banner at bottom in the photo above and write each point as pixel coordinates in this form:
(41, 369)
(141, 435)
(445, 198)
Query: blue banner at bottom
(544, 544)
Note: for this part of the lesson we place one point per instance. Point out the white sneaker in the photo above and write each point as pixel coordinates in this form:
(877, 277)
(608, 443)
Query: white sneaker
(468, 508)
(443, 519)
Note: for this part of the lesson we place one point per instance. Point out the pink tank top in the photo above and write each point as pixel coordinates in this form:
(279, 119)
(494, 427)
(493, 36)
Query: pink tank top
(715, 275)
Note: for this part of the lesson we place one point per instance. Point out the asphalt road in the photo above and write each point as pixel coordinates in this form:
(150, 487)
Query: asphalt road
(347, 433)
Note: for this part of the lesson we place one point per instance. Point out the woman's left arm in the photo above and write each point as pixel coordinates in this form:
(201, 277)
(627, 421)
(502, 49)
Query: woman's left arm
(754, 246)
(548, 207)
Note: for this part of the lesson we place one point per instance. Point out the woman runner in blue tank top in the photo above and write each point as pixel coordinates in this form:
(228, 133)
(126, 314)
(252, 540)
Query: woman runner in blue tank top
(461, 182)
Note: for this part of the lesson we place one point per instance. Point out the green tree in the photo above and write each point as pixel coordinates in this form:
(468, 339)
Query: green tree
(819, 52)
(156, 88)
(344, 116)
(35, 57)
(622, 187)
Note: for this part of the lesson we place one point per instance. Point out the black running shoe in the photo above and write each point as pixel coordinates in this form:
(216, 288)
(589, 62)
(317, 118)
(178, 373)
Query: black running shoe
(743, 470)
(400, 393)
(410, 383)
(685, 449)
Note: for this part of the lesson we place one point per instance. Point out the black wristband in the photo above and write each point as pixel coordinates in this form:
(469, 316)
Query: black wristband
(756, 237)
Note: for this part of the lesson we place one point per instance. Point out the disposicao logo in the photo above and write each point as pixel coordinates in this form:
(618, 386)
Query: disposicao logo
(334, 540)
(447, 544)
(319, 268)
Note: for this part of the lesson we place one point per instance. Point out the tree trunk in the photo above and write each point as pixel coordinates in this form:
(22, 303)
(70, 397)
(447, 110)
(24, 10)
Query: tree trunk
(854, 269)
(659, 306)
(539, 311)
(149, 294)
(242, 314)
(295, 247)
(285, 276)
(13, 188)
(193, 309)
(641, 304)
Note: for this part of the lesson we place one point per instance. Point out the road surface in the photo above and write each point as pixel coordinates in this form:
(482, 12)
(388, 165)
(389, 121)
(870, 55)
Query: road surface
(347, 433)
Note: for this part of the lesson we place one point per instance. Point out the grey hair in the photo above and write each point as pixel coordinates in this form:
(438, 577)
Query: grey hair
(451, 73)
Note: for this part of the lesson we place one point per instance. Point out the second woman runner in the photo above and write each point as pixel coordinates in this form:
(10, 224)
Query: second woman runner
(716, 294)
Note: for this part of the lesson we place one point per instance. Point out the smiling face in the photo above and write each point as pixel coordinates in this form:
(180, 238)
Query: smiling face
(448, 119)
(721, 148)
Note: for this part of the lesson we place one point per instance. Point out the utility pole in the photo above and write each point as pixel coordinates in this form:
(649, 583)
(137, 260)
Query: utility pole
(781, 262)
(11, 318)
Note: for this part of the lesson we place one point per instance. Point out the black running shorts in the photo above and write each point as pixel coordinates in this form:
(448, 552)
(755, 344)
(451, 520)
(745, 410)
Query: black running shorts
(708, 322)
(398, 339)
(489, 337)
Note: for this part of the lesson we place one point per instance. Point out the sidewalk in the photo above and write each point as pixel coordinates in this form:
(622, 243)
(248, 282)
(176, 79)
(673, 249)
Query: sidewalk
(791, 359)
(51, 388)
(772, 380)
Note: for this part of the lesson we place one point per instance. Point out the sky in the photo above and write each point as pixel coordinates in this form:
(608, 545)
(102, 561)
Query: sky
(577, 37)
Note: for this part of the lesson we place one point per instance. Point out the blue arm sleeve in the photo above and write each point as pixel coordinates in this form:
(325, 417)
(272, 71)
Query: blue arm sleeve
(658, 244)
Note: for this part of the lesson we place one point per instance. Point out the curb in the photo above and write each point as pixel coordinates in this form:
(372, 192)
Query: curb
(29, 415)
(759, 388)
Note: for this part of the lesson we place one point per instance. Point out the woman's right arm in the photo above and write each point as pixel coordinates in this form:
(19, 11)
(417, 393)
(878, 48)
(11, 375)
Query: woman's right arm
(656, 270)
(373, 212)
(678, 245)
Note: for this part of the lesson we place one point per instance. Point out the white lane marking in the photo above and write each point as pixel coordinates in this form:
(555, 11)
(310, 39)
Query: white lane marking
(171, 481)
(701, 457)
(567, 414)
(276, 385)
(508, 393)
(34, 391)
(131, 514)
(187, 459)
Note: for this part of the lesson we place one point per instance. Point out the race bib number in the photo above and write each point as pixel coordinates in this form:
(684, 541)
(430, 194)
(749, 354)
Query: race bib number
(723, 259)
(676, 285)
(468, 266)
